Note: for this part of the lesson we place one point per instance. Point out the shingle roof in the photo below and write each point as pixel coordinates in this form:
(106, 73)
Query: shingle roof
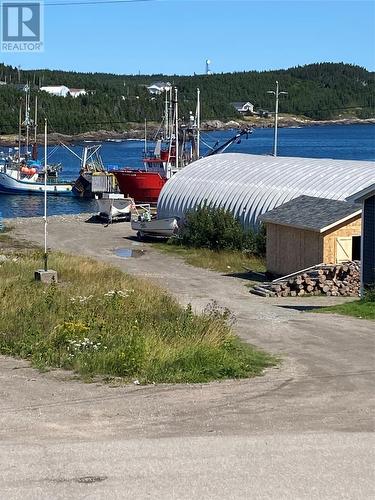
(240, 104)
(312, 213)
(160, 84)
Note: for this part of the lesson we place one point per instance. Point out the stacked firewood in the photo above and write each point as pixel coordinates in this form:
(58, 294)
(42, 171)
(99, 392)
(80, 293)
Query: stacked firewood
(331, 280)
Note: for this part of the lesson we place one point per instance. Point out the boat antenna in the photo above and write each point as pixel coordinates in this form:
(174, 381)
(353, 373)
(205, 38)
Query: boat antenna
(45, 197)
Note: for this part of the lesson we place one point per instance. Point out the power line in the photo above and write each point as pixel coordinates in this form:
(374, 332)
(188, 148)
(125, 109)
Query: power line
(93, 2)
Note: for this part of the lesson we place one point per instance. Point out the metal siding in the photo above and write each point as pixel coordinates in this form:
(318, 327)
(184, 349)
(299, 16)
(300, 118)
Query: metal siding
(260, 183)
(369, 242)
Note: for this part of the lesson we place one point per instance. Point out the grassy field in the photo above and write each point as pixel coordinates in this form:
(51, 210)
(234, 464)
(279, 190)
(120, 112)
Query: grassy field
(358, 308)
(99, 321)
(224, 261)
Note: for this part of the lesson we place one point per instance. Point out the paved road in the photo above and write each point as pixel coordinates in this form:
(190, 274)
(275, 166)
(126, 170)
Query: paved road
(304, 430)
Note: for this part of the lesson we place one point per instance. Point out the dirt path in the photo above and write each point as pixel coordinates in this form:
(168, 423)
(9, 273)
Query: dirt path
(315, 409)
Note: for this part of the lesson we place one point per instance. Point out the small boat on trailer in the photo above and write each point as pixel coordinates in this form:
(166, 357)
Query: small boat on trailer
(114, 206)
(146, 226)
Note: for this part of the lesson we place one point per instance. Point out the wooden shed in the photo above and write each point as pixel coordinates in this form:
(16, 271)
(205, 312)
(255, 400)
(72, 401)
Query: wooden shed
(367, 198)
(307, 231)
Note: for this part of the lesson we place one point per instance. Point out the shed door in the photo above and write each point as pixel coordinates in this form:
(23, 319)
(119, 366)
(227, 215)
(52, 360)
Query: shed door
(343, 249)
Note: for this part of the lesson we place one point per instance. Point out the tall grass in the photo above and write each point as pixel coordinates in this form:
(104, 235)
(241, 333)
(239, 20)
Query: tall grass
(363, 309)
(224, 261)
(97, 320)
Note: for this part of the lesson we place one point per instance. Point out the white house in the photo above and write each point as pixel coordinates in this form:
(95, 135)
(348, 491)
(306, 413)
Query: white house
(60, 90)
(77, 92)
(244, 107)
(159, 87)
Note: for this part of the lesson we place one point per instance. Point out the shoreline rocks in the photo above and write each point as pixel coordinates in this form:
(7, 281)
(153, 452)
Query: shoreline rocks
(137, 131)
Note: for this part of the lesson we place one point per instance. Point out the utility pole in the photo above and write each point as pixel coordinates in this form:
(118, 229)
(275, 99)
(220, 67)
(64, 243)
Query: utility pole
(276, 94)
(45, 195)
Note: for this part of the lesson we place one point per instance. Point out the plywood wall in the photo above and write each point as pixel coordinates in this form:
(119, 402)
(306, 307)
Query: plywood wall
(348, 228)
(290, 249)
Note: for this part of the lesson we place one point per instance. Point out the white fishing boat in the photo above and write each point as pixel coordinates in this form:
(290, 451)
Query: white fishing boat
(159, 228)
(20, 170)
(114, 206)
(16, 179)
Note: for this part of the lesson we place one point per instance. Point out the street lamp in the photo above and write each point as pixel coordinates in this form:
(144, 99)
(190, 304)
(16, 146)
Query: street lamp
(276, 94)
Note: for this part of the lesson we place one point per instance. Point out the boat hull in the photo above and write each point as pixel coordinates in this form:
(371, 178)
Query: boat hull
(115, 207)
(142, 186)
(9, 185)
(162, 228)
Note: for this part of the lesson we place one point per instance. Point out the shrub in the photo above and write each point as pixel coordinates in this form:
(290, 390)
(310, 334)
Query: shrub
(216, 228)
(369, 295)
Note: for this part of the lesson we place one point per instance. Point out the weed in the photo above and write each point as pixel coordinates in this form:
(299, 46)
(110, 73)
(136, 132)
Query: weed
(99, 321)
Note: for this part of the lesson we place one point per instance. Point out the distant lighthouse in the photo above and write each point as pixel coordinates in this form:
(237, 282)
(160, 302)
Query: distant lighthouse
(208, 69)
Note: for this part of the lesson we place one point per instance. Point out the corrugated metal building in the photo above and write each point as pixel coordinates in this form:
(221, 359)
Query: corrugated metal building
(250, 185)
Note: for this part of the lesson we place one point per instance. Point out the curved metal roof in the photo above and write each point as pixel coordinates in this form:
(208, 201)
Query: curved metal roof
(249, 185)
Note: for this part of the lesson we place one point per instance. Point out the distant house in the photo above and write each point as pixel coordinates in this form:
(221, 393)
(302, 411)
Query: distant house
(308, 230)
(244, 107)
(77, 92)
(60, 90)
(159, 87)
(22, 87)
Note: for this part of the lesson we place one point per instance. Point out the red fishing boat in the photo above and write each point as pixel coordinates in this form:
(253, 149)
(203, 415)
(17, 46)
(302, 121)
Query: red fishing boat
(143, 187)
(177, 148)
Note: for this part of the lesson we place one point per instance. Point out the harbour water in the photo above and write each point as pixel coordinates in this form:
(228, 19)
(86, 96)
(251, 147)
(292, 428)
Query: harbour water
(347, 142)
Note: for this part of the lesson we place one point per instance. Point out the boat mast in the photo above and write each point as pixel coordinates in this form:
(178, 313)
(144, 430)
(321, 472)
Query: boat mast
(176, 129)
(171, 118)
(27, 116)
(19, 132)
(34, 153)
(198, 114)
(145, 141)
(166, 117)
(36, 118)
(145, 146)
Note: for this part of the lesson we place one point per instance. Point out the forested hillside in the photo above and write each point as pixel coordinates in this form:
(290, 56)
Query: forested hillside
(319, 91)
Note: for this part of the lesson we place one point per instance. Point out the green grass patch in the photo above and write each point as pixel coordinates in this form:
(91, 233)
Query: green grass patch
(359, 309)
(224, 261)
(99, 321)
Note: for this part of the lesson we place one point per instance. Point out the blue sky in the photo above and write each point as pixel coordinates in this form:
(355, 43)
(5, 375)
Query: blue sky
(176, 36)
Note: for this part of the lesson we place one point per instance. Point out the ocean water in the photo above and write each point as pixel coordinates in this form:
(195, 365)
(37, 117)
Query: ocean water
(348, 142)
